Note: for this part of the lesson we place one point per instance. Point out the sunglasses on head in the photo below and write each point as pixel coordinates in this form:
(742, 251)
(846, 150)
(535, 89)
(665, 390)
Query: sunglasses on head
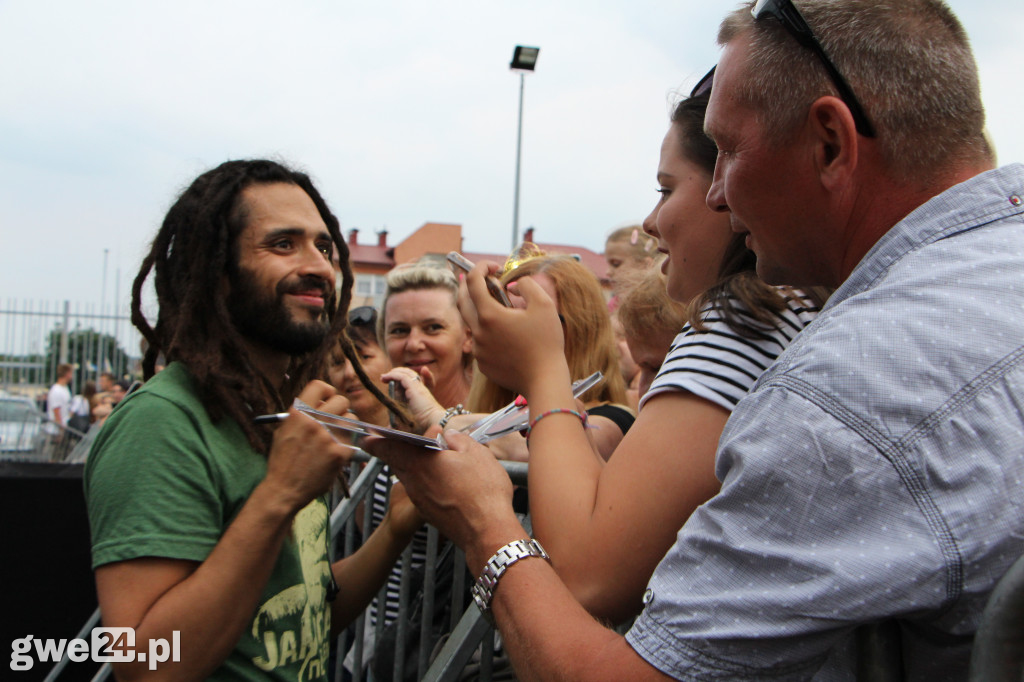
(364, 315)
(704, 84)
(791, 19)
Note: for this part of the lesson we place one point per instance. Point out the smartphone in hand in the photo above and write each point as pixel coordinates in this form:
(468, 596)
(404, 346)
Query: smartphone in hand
(462, 264)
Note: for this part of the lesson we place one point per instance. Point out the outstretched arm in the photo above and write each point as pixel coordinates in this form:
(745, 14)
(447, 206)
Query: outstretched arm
(548, 635)
(606, 527)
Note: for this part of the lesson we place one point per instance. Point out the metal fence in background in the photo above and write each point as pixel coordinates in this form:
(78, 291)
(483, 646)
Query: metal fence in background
(36, 336)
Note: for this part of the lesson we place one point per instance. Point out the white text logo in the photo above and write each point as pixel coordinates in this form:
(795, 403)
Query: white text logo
(106, 645)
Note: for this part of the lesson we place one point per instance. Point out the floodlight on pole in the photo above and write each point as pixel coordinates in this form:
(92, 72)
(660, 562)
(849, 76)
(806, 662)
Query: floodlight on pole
(524, 59)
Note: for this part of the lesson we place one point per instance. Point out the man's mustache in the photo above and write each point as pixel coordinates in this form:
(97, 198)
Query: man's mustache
(305, 284)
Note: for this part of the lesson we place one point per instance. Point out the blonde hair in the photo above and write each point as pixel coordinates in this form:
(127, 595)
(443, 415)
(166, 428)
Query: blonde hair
(414, 277)
(589, 341)
(645, 307)
(639, 245)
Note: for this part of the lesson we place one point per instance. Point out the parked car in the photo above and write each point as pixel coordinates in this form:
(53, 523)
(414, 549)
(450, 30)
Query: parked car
(21, 432)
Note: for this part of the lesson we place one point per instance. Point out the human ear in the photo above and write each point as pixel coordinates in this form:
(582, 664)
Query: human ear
(836, 140)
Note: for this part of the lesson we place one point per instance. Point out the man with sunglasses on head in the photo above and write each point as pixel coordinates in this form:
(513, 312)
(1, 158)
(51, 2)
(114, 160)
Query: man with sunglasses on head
(873, 474)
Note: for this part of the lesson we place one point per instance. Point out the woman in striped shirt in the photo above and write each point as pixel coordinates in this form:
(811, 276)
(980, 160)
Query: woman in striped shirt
(607, 527)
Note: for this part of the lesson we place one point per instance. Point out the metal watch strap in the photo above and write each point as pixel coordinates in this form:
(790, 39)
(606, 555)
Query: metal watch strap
(496, 566)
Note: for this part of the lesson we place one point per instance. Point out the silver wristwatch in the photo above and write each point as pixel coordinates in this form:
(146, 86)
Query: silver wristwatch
(496, 566)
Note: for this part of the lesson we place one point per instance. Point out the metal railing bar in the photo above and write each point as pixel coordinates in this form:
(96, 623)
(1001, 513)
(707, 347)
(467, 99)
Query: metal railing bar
(403, 612)
(82, 634)
(358, 490)
(427, 612)
(459, 648)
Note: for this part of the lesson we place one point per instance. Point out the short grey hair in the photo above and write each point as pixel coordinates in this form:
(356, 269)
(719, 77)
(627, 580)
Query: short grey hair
(908, 62)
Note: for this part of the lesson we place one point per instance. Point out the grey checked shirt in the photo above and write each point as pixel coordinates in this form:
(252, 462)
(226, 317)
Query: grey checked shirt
(876, 471)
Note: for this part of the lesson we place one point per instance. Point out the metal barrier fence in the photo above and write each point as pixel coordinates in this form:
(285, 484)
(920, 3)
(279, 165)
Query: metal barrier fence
(468, 642)
(36, 336)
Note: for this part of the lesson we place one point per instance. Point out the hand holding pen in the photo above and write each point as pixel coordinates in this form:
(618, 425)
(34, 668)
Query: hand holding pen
(305, 459)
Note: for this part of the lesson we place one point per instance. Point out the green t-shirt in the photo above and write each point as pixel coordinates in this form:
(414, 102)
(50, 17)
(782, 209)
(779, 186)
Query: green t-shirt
(162, 480)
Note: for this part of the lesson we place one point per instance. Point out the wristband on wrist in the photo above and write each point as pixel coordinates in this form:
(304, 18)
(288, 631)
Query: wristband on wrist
(451, 412)
(582, 416)
(483, 590)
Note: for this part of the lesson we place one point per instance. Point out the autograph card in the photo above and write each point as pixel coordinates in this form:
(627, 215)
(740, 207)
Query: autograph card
(513, 417)
(333, 421)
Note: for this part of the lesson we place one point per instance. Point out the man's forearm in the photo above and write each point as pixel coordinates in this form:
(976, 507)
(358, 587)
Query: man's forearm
(547, 634)
(210, 606)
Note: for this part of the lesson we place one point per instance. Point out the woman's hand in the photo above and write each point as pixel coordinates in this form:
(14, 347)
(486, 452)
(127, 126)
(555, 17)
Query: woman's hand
(513, 347)
(511, 448)
(417, 386)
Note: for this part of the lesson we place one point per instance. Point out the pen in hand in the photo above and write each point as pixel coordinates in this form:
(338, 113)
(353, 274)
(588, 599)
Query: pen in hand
(281, 416)
(270, 418)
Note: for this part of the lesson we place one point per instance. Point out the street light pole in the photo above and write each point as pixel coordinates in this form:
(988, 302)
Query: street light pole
(519, 152)
(523, 59)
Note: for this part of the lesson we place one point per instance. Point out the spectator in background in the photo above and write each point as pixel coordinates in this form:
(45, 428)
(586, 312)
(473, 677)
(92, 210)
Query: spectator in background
(421, 329)
(589, 347)
(118, 391)
(626, 250)
(650, 321)
(83, 421)
(106, 382)
(58, 409)
(104, 406)
(81, 408)
(362, 330)
(426, 342)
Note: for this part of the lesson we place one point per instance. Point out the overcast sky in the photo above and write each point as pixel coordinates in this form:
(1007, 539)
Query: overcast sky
(402, 111)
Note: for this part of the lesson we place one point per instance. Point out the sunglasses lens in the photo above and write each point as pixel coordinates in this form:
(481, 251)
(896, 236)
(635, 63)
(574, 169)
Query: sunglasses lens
(362, 316)
(704, 84)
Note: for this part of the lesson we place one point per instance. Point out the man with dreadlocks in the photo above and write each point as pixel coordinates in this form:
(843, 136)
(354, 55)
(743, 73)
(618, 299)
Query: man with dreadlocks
(210, 531)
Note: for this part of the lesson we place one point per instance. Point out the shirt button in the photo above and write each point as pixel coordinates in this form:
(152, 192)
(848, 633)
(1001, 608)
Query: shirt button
(1015, 200)
(648, 596)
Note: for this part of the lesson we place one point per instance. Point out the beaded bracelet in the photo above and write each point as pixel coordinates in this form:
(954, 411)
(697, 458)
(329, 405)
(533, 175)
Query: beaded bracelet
(558, 410)
(451, 412)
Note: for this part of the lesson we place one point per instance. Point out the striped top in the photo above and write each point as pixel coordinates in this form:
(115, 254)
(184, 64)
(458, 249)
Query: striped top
(718, 364)
(379, 506)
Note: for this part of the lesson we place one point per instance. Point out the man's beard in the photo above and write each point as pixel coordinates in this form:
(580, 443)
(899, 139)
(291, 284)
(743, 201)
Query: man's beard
(265, 318)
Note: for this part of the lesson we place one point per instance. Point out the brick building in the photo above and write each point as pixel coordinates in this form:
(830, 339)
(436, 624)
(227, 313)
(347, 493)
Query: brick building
(371, 262)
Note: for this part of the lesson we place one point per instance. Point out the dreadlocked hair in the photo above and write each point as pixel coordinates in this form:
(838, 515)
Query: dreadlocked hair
(190, 256)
